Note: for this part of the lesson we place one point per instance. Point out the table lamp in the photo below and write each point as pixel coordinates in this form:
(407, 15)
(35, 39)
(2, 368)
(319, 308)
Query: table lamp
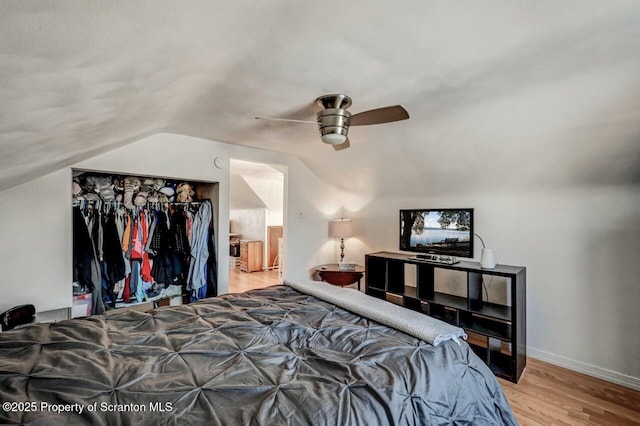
(341, 228)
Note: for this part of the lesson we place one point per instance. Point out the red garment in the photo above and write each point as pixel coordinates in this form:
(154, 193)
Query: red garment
(188, 216)
(145, 267)
(145, 228)
(145, 270)
(127, 290)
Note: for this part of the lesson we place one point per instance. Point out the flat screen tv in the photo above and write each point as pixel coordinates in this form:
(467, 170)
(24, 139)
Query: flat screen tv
(437, 231)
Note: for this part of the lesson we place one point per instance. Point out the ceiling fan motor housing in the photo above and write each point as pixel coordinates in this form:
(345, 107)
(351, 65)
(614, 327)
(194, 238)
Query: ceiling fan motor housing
(334, 101)
(333, 121)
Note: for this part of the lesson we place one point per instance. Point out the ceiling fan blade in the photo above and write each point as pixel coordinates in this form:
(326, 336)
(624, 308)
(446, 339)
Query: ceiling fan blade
(343, 145)
(286, 119)
(379, 115)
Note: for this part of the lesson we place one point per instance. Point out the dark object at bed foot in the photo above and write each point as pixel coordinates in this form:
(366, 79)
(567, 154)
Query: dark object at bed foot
(18, 315)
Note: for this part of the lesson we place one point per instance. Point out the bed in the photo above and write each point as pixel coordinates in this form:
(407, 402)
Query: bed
(269, 356)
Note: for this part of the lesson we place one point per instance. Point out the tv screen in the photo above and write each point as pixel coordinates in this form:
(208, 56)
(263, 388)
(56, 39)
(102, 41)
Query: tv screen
(437, 231)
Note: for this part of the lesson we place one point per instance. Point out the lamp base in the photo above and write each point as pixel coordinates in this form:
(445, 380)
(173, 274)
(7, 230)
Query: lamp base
(487, 259)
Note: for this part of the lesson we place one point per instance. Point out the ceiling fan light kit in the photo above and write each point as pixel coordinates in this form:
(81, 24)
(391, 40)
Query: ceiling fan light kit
(333, 124)
(334, 119)
(333, 138)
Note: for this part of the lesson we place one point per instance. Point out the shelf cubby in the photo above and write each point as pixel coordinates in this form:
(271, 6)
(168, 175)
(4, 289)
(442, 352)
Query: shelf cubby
(376, 276)
(410, 291)
(412, 303)
(447, 300)
(496, 325)
(485, 326)
(501, 364)
(395, 277)
(493, 310)
(380, 294)
(481, 351)
(444, 313)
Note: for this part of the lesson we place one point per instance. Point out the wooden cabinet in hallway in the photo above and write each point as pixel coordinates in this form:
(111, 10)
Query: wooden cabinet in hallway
(250, 256)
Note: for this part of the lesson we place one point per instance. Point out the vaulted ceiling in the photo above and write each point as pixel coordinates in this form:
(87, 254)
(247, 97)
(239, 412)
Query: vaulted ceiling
(516, 94)
(255, 185)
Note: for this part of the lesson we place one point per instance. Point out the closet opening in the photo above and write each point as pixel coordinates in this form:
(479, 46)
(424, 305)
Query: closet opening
(256, 224)
(141, 242)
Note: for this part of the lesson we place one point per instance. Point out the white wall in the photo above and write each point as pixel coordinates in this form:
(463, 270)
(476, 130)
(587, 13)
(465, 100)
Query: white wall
(274, 217)
(35, 218)
(35, 243)
(581, 248)
(249, 223)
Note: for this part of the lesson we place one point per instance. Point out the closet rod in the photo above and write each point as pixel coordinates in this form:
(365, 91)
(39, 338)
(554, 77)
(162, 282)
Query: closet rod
(121, 203)
(154, 202)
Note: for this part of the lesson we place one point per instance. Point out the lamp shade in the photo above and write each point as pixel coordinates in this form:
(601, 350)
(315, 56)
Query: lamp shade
(341, 228)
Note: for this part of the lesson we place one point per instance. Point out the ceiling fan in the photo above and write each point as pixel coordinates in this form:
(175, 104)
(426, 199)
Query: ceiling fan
(334, 120)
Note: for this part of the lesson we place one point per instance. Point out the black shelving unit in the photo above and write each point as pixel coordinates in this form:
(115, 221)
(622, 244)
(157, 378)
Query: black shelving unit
(503, 327)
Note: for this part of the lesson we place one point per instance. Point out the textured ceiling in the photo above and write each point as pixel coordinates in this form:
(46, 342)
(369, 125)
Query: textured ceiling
(513, 94)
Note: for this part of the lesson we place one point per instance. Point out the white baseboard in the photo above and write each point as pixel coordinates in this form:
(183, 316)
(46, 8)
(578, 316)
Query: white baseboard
(588, 369)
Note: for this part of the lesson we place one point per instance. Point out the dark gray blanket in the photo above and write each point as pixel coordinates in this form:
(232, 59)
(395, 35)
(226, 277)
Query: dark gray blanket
(271, 356)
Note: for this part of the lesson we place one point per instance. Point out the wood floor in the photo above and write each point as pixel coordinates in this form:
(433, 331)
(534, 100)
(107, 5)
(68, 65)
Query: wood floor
(545, 395)
(550, 395)
(239, 282)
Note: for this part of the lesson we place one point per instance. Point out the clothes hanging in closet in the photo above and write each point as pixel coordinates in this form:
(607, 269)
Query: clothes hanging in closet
(86, 269)
(197, 278)
(167, 267)
(133, 255)
(212, 264)
(112, 264)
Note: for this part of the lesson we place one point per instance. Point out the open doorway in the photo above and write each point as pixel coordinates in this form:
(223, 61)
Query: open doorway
(256, 224)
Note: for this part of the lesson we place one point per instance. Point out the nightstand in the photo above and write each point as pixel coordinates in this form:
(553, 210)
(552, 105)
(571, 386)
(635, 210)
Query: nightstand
(333, 275)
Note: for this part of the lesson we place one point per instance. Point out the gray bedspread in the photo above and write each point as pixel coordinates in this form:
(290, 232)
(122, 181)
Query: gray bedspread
(422, 326)
(272, 356)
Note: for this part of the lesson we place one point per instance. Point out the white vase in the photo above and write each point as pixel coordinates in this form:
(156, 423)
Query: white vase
(487, 259)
